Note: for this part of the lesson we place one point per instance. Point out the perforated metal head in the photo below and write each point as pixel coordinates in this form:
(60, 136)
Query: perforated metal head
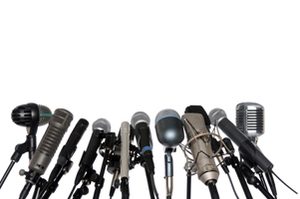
(102, 124)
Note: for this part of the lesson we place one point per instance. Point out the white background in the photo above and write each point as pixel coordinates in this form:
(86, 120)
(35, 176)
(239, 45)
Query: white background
(112, 58)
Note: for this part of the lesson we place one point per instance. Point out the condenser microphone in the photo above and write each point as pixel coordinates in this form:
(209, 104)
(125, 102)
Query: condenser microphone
(250, 119)
(124, 159)
(200, 144)
(169, 132)
(30, 116)
(58, 125)
(247, 148)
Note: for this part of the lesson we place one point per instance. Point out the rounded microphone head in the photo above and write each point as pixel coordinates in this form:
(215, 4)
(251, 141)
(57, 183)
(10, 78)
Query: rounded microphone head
(139, 117)
(250, 119)
(31, 114)
(216, 115)
(169, 128)
(102, 124)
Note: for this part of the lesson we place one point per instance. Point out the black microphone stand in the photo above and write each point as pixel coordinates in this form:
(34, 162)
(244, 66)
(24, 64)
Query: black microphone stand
(28, 146)
(253, 180)
(110, 139)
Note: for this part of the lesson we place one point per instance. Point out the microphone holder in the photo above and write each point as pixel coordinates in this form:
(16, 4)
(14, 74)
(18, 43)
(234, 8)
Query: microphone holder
(51, 186)
(253, 180)
(28, 146)
(235, 163)
(110, 139)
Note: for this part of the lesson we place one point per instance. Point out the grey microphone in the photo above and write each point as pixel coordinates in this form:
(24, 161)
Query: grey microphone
(169, 132)
(124, 159)
(201, 147)
(250, 119)
(58, 125)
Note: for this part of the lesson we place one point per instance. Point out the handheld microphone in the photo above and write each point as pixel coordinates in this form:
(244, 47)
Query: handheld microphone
(247, 148)
(64, 162)
(169, 132)
(124, 159)
(140, 122)
(58, 125)
(30, 116)
(100, 127)
(200, 144)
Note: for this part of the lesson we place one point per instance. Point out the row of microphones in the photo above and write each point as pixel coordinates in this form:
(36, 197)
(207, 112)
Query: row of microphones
(205, 150)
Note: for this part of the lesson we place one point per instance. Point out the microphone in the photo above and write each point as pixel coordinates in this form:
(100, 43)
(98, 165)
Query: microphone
(200, 144)
(140, 122)
(31, 116)
(64, 162)
(169, 132)
(58, 125)
(124, 159)
(250, 120)
(246, 148)
(100, 127)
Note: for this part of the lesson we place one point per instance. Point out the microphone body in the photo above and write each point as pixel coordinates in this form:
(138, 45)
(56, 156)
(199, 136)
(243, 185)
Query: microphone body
(247, 148)
(169, 132)
(140, 122)
(201, 147)
(124, 159)
(58, 125)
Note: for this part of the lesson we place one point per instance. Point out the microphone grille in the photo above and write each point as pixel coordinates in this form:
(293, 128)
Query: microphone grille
(102, 124)
(22, 115)
(45, 114)
(250, 119)
(216, 115)
(139, 117)
(165, 114)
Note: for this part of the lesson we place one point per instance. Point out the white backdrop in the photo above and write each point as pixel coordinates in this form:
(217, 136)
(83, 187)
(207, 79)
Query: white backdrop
(112, 58)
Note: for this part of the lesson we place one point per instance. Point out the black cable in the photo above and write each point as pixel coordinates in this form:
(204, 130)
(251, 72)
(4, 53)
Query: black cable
(284, 183)
(213, 190)
(232, 186)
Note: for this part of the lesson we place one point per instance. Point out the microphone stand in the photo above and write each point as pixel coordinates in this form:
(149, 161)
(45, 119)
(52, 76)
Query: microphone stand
(253, 180)
(28, 146)
(110, 139)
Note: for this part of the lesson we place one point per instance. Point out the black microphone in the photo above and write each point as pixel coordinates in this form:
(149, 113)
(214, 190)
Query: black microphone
(169, 132)
(64, 162)
(247, 148)
(140, 122)
(100, 127)
(31, 116)
(58, 125)
(200, 144)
